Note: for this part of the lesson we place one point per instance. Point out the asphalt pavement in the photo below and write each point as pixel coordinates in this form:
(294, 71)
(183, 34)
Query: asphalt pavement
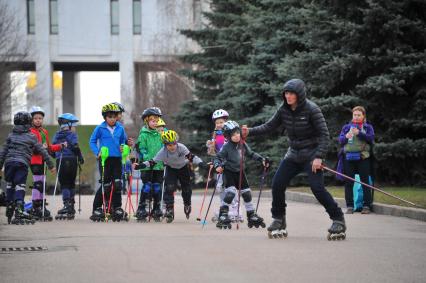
(378, 248)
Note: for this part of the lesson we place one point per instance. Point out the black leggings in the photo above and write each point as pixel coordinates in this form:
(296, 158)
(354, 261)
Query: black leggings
(111, 176)
(183, 175)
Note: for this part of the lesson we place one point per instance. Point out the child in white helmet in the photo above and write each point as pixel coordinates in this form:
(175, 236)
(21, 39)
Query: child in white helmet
(214, 145)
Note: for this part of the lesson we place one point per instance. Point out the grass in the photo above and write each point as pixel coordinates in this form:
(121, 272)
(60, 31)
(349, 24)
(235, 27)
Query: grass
(416, 195)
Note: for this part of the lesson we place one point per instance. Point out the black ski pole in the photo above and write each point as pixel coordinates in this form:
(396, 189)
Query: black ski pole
(371, 187)
(208, 207)
(79, 188)
(262, 182)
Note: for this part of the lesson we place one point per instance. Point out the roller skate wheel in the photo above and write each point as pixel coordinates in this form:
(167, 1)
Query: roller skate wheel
(263, 225)
(250, 225)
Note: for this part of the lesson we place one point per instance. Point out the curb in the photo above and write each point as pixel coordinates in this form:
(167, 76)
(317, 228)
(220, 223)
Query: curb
(384, 209)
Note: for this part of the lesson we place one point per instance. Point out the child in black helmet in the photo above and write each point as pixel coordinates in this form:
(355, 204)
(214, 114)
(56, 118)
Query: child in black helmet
(228, 162)
(16, 155)
(147, 146)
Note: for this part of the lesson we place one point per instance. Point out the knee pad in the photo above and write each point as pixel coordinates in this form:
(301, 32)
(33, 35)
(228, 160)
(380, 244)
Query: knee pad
(146, 187)
(107, 188)
(229, 195)
(117, 185)
(170, 188)
(20, 187)
(38, 185)
(246, 194)
(156, 187)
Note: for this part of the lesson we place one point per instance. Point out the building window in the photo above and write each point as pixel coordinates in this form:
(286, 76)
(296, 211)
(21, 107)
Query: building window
(137, 23)
(30, 17)
(114, 17)
(53, 11)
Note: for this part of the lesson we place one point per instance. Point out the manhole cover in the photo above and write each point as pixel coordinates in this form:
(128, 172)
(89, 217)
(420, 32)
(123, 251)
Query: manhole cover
(23, 249)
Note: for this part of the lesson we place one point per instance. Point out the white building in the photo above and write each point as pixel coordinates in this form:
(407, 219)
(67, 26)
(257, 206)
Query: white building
(138, 38)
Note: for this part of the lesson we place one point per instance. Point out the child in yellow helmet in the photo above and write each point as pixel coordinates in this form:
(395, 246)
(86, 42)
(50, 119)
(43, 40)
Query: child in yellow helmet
(176, 158)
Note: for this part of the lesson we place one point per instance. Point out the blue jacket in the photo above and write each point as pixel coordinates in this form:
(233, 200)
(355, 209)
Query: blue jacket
(101, 136)
(72, 140)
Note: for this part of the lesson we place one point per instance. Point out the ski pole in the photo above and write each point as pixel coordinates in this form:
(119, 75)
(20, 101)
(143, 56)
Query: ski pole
(79, 188)
(104, 156)
(205, 193)
(162, 190)
(241, 180)
(44, 189)
(57, 179)
(110, 198)
(208, 208)
(150, 196)
(262, 182)
(371, 187)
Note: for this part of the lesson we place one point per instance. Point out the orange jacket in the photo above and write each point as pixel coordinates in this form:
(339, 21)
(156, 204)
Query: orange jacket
(37, 159)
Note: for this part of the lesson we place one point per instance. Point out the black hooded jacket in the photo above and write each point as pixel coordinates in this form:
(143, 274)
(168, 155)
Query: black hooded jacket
(306, 127)
(20, 146)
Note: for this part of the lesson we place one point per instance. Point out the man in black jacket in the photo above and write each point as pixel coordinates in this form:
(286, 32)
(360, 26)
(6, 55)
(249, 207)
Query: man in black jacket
(308, 139)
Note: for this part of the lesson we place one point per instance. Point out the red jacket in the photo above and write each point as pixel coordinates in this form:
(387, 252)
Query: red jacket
(37, 159)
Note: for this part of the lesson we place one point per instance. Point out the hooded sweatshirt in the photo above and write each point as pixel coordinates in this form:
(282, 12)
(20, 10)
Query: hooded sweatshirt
(306, 127)
(20, 146)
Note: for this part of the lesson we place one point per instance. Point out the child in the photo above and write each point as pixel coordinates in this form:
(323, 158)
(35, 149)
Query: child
(228, 162)
(214, 145)
(111, 136)
(176, 157)
(37, 164)
(126, 167)
(16, 155)
(148, 145)
(70, 158)
(161, 126)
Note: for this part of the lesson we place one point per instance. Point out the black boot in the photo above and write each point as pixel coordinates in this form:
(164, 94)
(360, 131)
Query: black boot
(21, 216)
(277, 229)
(224, 222)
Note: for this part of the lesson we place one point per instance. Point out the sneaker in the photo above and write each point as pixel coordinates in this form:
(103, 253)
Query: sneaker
(365, 210)
(350, 210)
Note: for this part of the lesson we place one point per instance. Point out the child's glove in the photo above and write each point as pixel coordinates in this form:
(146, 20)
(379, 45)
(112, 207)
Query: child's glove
(143, 165)
(266, 162)
(81, 160)
(190, 157)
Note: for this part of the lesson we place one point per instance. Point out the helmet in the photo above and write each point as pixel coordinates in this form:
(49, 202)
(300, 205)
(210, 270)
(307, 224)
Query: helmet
(229, 128)
(22, 118)
(169, 137)
(161, 123)
(111, 107)
(155, 111)
(120, 106)
(67, 119)
(36, 110)
(220, 113)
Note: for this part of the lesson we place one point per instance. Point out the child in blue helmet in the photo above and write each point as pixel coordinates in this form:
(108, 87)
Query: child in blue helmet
(70, 159)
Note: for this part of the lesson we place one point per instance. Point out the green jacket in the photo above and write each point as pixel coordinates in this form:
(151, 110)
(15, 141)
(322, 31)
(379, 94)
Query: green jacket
(148, 145)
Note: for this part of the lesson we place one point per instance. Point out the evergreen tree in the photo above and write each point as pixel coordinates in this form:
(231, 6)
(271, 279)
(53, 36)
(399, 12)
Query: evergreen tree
(369, 52)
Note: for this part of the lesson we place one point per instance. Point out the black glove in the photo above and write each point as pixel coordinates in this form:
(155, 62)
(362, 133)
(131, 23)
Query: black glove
(151, 163)
(190, 157)
(81, 160)
(267, 162)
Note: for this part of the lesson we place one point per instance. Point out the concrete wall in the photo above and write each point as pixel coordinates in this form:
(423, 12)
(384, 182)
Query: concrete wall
(84, 36)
